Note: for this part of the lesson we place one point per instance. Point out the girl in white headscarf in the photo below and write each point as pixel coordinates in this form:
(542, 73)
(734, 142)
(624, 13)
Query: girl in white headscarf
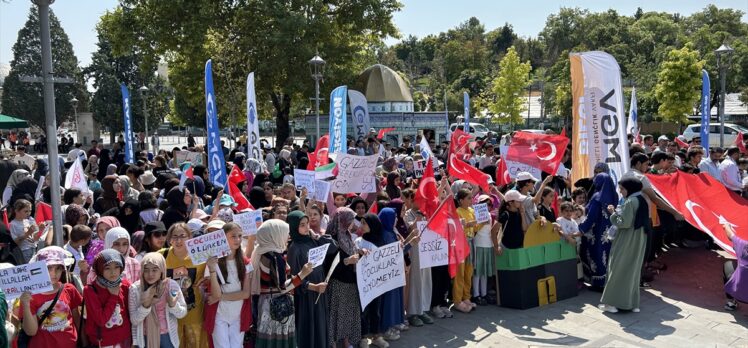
(270, 277)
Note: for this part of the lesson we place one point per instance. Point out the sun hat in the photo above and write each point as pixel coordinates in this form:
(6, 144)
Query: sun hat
(514, 195)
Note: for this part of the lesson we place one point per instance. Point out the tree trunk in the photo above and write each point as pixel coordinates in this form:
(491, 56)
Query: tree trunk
(282, 105)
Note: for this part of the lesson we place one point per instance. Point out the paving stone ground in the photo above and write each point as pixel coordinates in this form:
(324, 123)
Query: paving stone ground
(682, 309)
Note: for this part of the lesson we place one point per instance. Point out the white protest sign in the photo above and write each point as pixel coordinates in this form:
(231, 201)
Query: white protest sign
(481, 213)
(203, 247)
(188, 156)
(321, 191)
(304, 178)
(516, 167)
(31, 277)
(432, 248)
(419, 167)
(355, 174)
(380, 271)
(249, 221)
(317, 255)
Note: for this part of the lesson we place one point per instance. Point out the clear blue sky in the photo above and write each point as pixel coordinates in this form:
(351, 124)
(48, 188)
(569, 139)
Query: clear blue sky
(418, 17)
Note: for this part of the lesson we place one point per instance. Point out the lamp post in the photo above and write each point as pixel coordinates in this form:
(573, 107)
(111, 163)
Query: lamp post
(725, 51)
(143, 90)
(74, 102)
(317, 68)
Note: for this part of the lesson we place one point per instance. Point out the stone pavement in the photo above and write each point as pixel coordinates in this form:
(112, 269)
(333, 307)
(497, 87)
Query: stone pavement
(682, 309)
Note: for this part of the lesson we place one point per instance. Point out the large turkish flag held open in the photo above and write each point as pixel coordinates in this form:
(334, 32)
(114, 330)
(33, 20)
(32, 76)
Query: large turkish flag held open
(705, 203)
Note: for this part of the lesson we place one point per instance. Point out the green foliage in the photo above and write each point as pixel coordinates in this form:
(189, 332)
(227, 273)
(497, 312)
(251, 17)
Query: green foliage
(273, 39)
(512, 80)
(26, 100)
(678, 84)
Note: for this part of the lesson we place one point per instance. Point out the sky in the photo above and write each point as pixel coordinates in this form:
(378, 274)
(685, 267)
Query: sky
(418, 17)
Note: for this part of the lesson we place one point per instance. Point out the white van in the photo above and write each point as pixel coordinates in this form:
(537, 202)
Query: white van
(477, 130)
(731, 132)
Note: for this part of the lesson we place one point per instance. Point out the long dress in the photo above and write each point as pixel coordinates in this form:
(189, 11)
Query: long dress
(595, 246)
(392, 312)
(311, 316)
(626, 257)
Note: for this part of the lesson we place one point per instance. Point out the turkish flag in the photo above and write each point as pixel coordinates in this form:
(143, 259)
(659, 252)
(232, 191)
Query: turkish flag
(427, 196)
(446, 223)
(705, 203)
(383, 131)
(740, 143)
(502, 174)
(43, 212)
(538, 150)
(459, 145)
(319, 158)
(464, 171)
(235, 177)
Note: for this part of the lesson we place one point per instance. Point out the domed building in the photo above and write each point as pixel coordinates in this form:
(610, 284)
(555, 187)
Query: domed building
(385, 90)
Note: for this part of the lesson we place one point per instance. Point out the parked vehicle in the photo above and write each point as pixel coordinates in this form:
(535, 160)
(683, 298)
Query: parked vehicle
(731, 132)
(477, 130)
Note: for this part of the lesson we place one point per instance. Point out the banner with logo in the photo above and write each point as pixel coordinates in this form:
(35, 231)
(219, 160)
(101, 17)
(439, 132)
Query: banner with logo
(216, 161)
(706, 110)
(129, 155)
(466, 110)
(253, 123)
(359, 114)
(599, 117)
(338, 128)
(75, 177)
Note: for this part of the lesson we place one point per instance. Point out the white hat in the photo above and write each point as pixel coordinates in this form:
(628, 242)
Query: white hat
(147, 178)
(514, 195)
(522, 176)
(195, 225)
(662, 137)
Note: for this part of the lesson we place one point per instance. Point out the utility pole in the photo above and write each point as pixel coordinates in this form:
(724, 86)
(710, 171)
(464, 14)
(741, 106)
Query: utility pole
(48, 80)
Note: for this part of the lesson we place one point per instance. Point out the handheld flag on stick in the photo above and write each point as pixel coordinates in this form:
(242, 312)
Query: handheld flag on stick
(446, 223)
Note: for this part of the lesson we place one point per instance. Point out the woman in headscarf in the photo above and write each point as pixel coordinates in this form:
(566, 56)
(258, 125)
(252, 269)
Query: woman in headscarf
(392, 301)
(92, 167)
(152, 298)
(129, 215)
(26, 189)
(311, 315)
(595, 246)
(13, 181)
(257, 198)
(371, 238)
(97, 244)
(179, 209)
(41, 168)
(119, 239)
(345, 307)
(400, 227)
(105, 159)
(111, 169)
(272, 275)
(110, 195)
(128, 192)
(393, 185)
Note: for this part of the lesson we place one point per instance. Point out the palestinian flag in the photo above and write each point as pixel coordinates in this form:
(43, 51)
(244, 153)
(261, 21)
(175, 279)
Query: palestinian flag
(186, 174)
(326, 171)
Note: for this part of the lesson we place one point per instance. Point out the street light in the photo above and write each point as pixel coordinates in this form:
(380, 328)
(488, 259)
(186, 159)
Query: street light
(143, 90)
(317, 68)
(74, 102)
(725, 51)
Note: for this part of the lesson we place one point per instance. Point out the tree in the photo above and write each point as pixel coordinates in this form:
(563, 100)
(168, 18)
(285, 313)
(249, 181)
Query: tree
(26, 100)
(678, 84)
(508, 87)
(276, 40)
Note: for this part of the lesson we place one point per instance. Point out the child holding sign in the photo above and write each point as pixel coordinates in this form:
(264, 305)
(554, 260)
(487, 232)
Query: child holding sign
(228, 313)
(311, 315)
(483, 256)
(58, 328)
(461, 289)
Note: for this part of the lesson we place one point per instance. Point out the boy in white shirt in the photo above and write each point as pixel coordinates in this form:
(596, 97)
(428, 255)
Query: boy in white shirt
(569, 227)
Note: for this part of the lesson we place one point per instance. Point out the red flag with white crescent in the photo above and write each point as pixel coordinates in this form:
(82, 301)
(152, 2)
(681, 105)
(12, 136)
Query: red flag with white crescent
(427, 196)
(705, 203)
(459, 145)
(538, 150)
(740, 143)
(502, 173)
(464, 171)
(446, 223)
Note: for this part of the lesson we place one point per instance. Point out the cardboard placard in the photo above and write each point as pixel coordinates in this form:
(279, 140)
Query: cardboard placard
(31, 277)
(188, 156)
(321, 191)
(432, 248)
(249, 221)
(380, 271)
(317, 255)
(203, 247)
(481, 213)
(419, 167)
(355, 174)
(304, 178)
(516, 167)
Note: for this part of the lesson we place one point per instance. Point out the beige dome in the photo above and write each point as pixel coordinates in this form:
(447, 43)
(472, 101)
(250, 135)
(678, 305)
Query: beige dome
(382, 84)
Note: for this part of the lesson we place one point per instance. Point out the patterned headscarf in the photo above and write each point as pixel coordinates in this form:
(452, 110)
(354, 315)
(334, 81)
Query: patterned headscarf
(338, 229)
(104, 258)
(114, 234)
(272, 236)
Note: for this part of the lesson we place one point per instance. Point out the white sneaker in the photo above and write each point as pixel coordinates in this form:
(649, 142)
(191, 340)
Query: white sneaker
(636, 310)
(380, 342)
(607, 308)
(392, 335)
(364, 343)
(402, 327)
(447, 312)
(437, 312)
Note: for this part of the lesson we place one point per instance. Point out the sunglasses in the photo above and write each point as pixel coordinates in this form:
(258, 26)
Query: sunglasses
(158, 234)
